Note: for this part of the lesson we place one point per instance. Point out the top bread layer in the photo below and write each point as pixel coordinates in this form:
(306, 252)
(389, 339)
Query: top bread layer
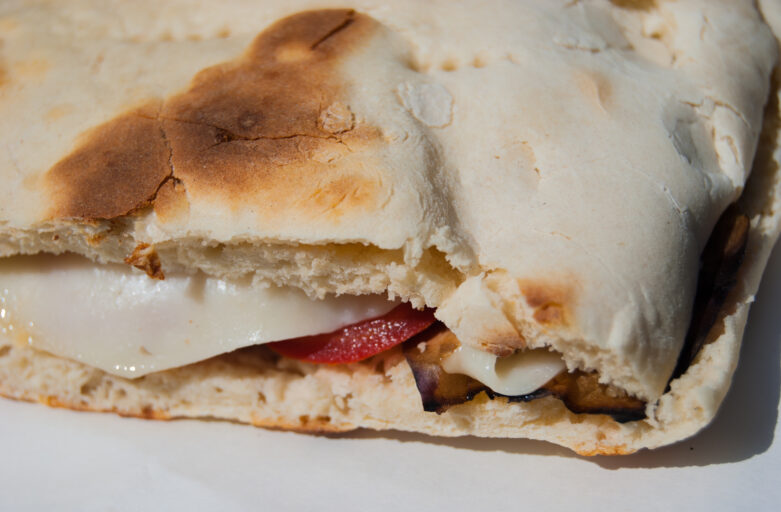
(543, 173)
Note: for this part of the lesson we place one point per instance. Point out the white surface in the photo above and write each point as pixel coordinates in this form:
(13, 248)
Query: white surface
(62, 460)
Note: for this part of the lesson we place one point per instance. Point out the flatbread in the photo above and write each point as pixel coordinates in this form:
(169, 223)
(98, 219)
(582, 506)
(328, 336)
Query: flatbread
(550, 181)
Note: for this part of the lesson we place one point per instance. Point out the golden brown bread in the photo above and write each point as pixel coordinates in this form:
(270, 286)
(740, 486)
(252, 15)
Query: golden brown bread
(231, 132)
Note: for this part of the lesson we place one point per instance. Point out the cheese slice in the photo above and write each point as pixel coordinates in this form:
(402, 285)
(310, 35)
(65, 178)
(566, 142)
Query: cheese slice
(518, 374)
(119, 320)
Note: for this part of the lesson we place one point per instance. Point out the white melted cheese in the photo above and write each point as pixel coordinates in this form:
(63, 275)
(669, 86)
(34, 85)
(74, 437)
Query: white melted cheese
(119, 320)
(518, 374)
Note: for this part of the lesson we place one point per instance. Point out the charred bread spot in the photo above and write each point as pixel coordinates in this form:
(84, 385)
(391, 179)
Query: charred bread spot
(269, 128)
(263, 96)
(551, 301)
(116, 170)
(144, 257)
(719, 266)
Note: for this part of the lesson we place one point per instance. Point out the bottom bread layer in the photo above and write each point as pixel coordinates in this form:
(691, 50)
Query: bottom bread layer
(255, 386)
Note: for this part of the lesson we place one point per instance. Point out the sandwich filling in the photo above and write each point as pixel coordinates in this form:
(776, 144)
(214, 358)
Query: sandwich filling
(121, 321)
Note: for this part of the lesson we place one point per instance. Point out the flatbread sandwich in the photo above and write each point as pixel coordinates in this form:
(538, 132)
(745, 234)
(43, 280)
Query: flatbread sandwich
(507, 219)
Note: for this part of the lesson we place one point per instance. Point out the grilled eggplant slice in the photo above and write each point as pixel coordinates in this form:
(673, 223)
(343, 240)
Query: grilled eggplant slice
(581, 392)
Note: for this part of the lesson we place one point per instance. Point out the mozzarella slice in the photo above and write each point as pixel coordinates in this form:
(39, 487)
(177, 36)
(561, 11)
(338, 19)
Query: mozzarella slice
(119, 320)
(519, 374)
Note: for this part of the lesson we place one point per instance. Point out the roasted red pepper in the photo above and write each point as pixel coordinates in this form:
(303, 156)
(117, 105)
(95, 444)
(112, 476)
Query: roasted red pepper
(360, 340)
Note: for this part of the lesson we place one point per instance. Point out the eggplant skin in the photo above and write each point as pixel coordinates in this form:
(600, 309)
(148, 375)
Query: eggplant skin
(581, 392)
(438, 389)
(719, 266)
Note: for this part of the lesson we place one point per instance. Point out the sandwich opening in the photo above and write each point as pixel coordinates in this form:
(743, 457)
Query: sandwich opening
(127, 319)
(130, 325)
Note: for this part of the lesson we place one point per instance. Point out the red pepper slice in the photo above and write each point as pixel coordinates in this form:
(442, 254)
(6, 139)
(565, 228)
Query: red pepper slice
(360, 340)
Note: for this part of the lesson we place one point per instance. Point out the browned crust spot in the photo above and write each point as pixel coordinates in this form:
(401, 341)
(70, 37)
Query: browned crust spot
(146, 412)
(549, 313)
(306, 425)
(115, 171)
(635, 5)
(95, 239)
(274, 127)
(551, 301)
(171, 202)
(144, 257)
(269, 130)
(588, 450)
(501, 348)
